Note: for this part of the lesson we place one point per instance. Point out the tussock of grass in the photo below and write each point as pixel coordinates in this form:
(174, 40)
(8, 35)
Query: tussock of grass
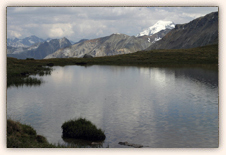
(82, 129)
(24, 136)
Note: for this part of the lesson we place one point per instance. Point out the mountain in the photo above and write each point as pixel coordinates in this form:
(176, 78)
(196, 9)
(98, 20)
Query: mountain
(38, 50)
(105, 46)
(72, 42)
(199, 32)
(48, 39)
(80, 41)
(25, 42)
(159, 26)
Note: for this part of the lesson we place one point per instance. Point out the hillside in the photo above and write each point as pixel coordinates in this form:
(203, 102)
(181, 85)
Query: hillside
(199, 32)
(110, 45)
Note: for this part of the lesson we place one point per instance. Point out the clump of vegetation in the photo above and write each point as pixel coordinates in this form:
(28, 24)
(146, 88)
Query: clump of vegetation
(50, 64)
(82, 129)
(24, 136)
(28, 81)
(18, 71)
(30, 59)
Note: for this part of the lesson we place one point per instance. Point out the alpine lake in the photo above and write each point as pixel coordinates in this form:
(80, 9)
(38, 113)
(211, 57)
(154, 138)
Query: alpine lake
(156, 107)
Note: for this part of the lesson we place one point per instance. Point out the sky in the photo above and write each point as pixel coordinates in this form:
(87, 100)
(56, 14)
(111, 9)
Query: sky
(76, 23)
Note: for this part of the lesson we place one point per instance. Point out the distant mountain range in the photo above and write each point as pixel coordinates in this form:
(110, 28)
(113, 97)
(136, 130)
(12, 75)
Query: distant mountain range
(38, 50)
(26, 42)
(105, 46)
(162, 35)
(116, 43)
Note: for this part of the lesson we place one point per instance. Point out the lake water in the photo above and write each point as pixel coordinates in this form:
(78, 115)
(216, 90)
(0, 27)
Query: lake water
(151, 106)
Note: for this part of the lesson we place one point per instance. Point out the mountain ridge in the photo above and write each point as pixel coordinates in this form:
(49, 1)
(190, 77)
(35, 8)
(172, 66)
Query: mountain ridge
(198, 32)
(104, 46)
(38, 50)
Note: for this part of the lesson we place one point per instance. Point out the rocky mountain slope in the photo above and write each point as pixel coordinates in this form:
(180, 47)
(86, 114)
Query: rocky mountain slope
(199, 32)
(38, 50)
(105, 46)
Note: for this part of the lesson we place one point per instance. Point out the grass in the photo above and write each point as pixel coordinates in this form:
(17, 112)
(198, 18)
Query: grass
(18, 72)
(24, 136)
(82, 129)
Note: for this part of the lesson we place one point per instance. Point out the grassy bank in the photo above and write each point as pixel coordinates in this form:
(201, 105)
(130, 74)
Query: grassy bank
(17, 70)
(24, 136)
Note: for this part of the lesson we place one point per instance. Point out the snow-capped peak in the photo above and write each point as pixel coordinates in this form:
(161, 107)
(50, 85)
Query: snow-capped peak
(160, 25)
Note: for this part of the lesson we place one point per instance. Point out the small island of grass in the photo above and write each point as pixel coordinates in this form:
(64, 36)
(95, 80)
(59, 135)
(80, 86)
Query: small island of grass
(82, 129)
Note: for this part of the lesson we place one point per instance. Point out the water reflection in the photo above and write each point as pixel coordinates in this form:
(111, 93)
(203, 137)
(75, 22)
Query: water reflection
(153, 107)
(82, 143)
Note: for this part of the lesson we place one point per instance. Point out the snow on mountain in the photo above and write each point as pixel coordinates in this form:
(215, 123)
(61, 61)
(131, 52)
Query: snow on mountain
(30, 41)
(159, 26)
(156, 39)
(25, 42)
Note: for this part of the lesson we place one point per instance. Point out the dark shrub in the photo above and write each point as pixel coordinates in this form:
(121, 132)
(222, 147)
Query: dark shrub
(87, 56)
(81, 63)
(30, 59)
(41, 139)
(50, 64)
(82, 129)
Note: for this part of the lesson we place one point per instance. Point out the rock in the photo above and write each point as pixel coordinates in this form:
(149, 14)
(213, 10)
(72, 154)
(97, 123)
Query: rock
(130, 144)
(87, 56)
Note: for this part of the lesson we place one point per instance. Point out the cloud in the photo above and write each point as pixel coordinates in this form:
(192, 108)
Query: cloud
(13, 34)
(58, 30)
(77, 23)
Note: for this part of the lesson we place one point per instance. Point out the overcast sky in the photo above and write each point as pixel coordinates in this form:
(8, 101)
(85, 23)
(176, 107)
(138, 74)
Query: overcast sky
(77, 23)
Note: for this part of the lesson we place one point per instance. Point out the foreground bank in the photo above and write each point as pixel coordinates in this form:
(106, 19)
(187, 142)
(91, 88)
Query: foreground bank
(24, 136)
